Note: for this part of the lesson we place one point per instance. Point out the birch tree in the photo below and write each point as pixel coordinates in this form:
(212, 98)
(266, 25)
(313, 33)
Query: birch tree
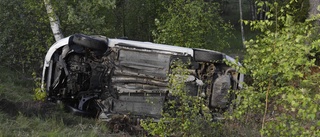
(314, 9)
(54, 21)
(241, 23)
(87, 17)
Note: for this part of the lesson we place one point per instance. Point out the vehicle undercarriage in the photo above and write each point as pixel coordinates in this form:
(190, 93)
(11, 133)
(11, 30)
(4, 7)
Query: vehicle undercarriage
(96, 76)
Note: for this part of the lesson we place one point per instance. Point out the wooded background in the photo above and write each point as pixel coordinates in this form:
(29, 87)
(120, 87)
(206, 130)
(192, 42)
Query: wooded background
(26, 33)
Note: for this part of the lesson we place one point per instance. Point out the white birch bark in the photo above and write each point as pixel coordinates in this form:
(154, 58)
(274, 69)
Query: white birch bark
(241, 23)
(54, 21)
(314, 9)
(252, 9)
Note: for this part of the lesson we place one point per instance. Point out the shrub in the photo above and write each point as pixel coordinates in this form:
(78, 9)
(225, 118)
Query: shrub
(284, 97)
(184, 115)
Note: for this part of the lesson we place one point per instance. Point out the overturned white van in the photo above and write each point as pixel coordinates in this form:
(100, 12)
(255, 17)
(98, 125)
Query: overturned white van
(98, 76)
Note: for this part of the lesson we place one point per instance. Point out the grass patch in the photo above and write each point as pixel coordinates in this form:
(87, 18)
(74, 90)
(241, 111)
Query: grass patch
(20, 115)
(51, 126)
(15, 86)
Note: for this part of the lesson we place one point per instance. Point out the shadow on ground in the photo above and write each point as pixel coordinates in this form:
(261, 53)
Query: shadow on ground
(31, 108)
(119, 125)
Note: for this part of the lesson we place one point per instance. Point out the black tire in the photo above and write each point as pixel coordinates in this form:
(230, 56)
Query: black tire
(92, 42)
(201, 55)
(92, 109)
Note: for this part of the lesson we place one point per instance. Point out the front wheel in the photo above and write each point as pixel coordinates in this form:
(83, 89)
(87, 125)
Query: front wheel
(89, 108)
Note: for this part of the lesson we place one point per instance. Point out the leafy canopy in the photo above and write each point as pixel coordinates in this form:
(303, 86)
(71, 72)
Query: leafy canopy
(192, 23)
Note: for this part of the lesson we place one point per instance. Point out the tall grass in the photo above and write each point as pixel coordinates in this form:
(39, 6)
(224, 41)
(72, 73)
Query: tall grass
(17, 88)
(51, 126)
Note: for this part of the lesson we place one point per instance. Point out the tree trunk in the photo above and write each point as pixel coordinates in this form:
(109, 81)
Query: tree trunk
(252, 9)
(314, 9)
(255, 10)
(266, 10)
(54, 21)
(241, 23)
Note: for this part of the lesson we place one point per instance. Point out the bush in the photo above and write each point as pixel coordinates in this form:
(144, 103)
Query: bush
(284, 97)
(184, 115)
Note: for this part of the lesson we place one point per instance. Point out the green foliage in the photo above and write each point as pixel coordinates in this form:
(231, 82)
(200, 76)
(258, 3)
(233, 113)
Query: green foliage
(38, 93)
(135, 19)
(111, 18)
(298, 8)
(14, 85)
(185, 115)
(284, 96)
(192, 23)
(88, 17)
(62, 124)
(24, 34)
(198, 24)
(276, 13)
